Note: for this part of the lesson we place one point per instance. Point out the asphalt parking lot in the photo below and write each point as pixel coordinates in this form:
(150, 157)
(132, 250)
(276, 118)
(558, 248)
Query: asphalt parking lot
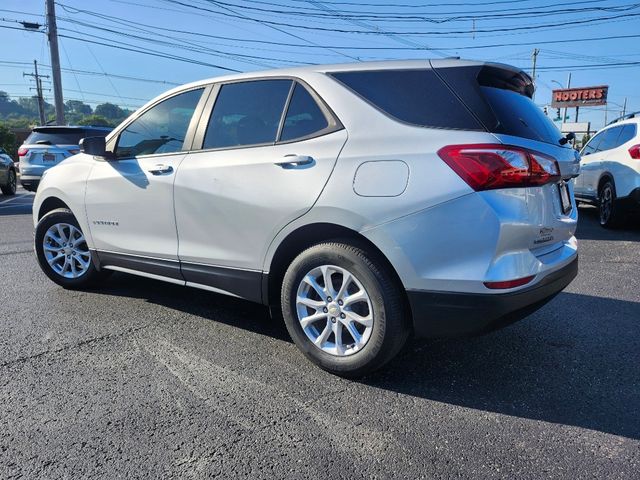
(149, 380)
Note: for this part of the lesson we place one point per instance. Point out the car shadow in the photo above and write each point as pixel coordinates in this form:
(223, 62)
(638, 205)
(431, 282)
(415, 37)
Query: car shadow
(589, 227)
(574, 362)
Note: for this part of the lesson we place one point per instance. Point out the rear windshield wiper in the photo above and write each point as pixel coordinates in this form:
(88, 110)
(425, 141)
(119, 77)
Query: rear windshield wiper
(43, 142)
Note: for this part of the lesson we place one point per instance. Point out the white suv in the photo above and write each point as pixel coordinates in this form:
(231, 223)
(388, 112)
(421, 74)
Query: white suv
(610, 172)
(361, 202)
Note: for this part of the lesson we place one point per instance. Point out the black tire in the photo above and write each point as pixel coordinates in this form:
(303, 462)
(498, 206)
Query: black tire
(609, 212)
(90, 278)
(10, 187)
(390, 328)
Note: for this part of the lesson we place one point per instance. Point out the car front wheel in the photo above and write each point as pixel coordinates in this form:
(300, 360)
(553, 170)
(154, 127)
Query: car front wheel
(343, 308)
(63, 252)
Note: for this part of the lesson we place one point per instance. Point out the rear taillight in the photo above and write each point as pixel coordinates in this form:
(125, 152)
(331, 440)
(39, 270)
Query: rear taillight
(491, 166)
(22, 151)
(635, 152)
(509, 283)
(74, 151)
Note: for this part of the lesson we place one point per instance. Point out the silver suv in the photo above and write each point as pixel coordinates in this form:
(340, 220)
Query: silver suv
(48, 146)
(363, 203)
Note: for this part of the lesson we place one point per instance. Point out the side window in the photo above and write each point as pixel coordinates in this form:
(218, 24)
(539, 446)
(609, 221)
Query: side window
(610, 139)
(592, 145)
(247, 113)
(161, 129)
(304, 116)
(628, 133)
(417, 97)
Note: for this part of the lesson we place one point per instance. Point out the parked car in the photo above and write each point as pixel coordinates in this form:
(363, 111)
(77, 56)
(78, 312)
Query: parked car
(7, 174)
(363, 202)
(610, 174)
(48, 146)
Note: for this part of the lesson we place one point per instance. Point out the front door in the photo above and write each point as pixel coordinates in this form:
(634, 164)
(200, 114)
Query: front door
(129, 197)
(268, 150)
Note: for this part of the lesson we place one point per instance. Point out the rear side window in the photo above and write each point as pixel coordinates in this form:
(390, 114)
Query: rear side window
(304, 116)
(247, 113)
(417, 97)
(517, 115)
(61, 136)
(628, 133)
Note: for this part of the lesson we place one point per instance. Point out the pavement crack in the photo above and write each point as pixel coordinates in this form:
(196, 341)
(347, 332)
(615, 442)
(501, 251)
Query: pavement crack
(82, 343)
(16, 251)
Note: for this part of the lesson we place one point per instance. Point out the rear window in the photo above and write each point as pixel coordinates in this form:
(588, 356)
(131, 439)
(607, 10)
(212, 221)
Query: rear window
(62, 136)
(417, 97)
(517, 115)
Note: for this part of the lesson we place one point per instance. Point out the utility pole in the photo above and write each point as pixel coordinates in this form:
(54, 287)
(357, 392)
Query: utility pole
(38, 79)
(534, 59)
(52, 33)
(564, 116)
(624, 107)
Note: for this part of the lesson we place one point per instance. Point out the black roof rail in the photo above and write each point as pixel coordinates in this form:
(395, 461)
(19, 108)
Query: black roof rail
(624, 117)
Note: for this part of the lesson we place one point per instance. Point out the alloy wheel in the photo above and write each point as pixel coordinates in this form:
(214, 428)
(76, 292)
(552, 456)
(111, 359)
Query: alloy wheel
(606, 204)
(66, 250)
(334, 310)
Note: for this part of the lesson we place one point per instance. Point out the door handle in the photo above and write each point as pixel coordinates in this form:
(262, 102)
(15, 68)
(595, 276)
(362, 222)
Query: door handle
(296, 161)
(161, 169)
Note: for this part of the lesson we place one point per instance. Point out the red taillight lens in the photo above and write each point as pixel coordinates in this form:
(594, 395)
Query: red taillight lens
(509, 283)
(635, 152)
(22, 151)
(489, 166)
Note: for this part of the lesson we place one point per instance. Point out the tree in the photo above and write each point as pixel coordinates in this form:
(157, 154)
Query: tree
(96, 120)
(8, 141)
(109, 110)
(76, 106)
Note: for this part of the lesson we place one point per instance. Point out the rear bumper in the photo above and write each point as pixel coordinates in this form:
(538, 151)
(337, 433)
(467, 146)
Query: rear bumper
(443, 314)
(632, 201)
(30, 183)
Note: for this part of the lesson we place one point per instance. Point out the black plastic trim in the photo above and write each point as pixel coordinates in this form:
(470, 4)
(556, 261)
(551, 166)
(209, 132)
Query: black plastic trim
(246, 284)
(446, 314)
(154, 266)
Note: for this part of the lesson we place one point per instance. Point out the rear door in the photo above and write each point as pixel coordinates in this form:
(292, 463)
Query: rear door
(593, 164)
(266, 151)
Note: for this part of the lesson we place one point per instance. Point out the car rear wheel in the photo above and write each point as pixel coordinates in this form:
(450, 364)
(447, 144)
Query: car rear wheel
(10, 187)
(343, 309)
(63, 252)
(610, 215)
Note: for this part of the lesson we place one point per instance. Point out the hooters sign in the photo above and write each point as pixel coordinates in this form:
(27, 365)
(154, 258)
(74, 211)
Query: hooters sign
(578, 97)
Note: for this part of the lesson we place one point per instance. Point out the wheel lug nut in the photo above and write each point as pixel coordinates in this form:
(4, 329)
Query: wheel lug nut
(333, 319)
(325, 309)
(340, 302)
(329, 299)
(342, 315)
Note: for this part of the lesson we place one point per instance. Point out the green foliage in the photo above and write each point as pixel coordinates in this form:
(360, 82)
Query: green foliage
(23, 112)
(96, 120)
(8, 141)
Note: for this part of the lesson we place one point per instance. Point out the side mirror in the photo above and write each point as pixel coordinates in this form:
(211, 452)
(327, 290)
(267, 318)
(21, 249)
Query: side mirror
(93, 146)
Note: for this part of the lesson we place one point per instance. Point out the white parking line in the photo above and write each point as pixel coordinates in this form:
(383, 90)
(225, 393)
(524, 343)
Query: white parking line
(15, 197)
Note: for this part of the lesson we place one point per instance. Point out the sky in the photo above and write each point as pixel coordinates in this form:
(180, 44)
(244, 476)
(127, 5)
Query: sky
(129, 51)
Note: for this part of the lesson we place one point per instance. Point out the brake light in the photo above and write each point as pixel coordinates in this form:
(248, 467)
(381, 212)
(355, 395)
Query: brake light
(73, 151)
(22, 151)
(492, 166)
(635, 152)
(509, 283)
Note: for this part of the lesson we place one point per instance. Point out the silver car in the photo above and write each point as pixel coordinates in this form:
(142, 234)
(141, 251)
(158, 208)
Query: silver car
(48, 146)
(364, 203)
